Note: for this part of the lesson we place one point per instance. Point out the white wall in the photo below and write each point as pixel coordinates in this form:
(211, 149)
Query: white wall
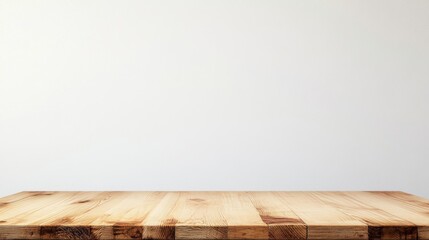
(212, 95)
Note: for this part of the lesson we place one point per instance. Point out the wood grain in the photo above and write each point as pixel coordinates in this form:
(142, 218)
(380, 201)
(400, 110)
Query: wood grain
(215, 215)
(381, 224)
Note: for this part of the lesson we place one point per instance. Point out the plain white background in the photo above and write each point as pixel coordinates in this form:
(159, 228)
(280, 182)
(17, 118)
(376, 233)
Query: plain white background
(214, 95)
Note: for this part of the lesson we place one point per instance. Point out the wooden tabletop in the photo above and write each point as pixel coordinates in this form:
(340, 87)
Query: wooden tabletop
(214, 215)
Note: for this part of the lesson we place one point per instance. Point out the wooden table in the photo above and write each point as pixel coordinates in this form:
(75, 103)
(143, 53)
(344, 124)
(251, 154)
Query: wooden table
(214, 215)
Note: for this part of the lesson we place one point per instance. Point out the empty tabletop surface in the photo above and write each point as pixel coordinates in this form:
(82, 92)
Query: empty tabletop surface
(214, 215)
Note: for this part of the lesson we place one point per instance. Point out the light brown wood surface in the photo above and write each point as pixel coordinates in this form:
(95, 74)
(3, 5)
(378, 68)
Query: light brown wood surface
(214, 215)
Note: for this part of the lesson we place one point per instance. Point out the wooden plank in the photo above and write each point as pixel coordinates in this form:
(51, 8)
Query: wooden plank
(381, 224)
(100, 215)
(200, 216)
(397, 208)
(161, 222)
(323, 221)
(123, 219)
(205, 215)
(283, 223)
(66, 221)
(414, 209)
(242, 218)
(19, 208)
